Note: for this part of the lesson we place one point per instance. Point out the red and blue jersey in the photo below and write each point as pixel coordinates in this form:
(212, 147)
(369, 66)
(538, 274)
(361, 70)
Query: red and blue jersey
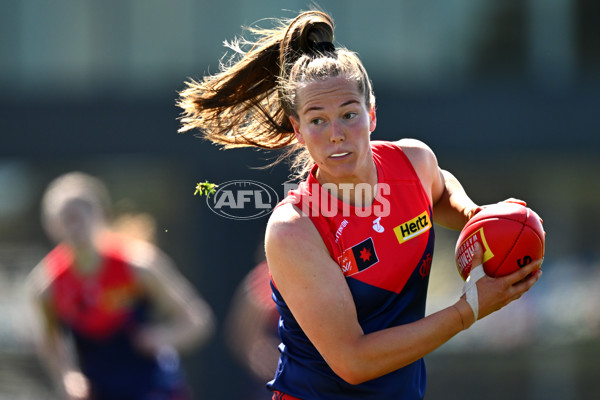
(102, 311)
(385, 252)
(95, 305)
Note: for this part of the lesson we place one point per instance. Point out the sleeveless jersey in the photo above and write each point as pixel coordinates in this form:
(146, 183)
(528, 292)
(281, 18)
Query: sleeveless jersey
(102, 311)
(385, 252)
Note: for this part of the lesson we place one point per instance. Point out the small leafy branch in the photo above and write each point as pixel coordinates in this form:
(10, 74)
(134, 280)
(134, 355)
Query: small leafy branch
(205, 188)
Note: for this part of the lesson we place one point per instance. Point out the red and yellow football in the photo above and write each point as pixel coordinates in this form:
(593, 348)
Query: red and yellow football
(510, 234)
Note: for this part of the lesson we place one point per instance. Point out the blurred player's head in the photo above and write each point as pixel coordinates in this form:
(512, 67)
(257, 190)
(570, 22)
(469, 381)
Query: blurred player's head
(74, 208)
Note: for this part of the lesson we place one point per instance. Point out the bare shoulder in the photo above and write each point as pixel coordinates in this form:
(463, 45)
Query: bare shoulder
(156, 271)
(424, 162)
(145, 258)
(420, 155)
(415, 149)
(287, 226)
(38, 281)
(285, 217)
(291, 241)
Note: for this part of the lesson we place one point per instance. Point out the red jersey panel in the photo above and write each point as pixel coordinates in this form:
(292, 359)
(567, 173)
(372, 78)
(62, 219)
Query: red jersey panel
(95, 305)
(380, 245)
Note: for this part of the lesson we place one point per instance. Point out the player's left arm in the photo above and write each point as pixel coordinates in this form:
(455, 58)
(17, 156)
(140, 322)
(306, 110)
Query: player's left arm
(189, 320)
(452, 207)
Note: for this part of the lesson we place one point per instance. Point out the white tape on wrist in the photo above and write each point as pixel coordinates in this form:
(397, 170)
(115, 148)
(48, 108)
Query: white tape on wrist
(470, 289)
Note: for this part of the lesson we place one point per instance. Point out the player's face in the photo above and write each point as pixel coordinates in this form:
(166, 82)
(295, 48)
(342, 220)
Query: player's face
(335, 124)
(78, 222)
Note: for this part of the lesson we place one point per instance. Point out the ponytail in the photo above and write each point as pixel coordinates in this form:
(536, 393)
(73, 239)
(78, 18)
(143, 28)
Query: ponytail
(249, 102)
(238, 106)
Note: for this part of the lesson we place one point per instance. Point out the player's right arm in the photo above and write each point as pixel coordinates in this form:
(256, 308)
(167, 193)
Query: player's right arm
(316, 292)
(50, 343)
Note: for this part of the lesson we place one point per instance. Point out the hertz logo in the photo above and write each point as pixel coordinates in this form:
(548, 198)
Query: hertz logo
(413, 228)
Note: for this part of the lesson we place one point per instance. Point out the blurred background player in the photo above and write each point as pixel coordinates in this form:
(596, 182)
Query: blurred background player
(114, 310)
(251, 329)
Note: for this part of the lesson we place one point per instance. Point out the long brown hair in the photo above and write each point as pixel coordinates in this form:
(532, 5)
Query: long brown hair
(249, 102)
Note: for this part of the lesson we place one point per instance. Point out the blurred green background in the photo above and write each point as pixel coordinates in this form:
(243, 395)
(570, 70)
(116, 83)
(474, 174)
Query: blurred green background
(507, 93)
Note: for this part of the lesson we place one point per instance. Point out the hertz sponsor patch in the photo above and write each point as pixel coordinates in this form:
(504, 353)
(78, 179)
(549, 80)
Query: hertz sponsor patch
(413, 228)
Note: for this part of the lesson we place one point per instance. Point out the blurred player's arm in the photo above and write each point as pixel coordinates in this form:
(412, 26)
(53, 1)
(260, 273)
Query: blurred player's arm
(51, 344)
(189, 319)
(251, 325)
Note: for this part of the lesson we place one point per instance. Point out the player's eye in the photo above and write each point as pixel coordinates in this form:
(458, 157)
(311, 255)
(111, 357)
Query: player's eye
(350, 115)
(316, 121)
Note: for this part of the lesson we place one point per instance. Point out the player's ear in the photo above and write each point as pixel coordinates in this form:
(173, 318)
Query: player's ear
(373, 119)
(296, 125)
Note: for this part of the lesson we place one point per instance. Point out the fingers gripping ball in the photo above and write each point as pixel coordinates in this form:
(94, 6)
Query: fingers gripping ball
(511, 236)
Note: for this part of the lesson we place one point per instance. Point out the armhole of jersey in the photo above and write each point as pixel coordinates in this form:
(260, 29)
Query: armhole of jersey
(398, 149)
(57, 261)
(321, 225)
(323, 229)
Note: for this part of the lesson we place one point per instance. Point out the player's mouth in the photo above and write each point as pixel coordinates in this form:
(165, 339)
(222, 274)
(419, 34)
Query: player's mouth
(338, 156)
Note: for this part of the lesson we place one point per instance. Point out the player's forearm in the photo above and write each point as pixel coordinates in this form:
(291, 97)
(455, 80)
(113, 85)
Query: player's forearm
(192, 327)
(198, 325)
(64, 372)
(379, 353)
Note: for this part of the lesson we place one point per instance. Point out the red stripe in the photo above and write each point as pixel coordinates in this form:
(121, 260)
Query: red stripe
(282, 396)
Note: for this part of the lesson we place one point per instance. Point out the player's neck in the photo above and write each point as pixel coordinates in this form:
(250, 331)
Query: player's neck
(354, 190)
(87, 259)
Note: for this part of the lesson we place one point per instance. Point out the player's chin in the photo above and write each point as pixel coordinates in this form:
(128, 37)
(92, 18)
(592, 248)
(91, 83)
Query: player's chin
(341, 174)
(342, 165)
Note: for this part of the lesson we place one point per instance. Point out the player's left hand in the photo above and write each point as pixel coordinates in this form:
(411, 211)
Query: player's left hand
(477, 209)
